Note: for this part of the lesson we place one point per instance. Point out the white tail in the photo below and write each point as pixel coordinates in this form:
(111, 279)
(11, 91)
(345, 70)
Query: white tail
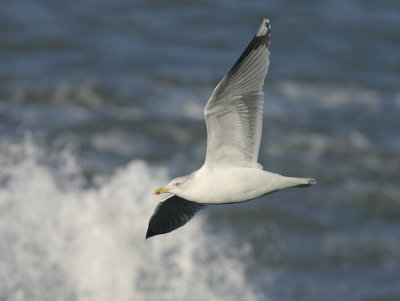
(300, 182)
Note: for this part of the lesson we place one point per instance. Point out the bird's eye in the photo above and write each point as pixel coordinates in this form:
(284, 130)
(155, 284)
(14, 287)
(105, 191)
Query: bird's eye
(178, 184)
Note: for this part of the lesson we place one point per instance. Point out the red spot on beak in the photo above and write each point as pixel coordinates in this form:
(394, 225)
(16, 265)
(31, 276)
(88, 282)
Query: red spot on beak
(157, 192)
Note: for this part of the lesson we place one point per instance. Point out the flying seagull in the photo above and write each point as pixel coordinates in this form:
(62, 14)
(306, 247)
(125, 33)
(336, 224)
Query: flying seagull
(231, 172)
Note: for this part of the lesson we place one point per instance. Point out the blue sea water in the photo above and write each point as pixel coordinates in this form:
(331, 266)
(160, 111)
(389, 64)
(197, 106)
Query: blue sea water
(101, 102)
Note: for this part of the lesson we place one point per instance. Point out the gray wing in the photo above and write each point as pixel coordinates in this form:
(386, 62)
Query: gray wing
(234, 111)
(172, 213)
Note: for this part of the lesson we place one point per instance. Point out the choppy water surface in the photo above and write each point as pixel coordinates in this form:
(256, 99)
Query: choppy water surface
(102, 102)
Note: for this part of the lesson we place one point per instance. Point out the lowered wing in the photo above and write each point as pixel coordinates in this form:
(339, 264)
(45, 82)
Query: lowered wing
(172, 213)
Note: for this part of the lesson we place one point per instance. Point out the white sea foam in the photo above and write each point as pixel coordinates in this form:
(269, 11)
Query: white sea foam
(329, 97)
(61, 241)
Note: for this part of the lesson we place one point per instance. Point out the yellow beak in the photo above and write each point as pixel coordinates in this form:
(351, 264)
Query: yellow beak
(161, 190)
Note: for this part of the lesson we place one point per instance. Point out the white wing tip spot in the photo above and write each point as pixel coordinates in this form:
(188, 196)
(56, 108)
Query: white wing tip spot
(264, 28)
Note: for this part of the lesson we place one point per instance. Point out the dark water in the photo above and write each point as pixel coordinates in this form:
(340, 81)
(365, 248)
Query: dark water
(101, 102)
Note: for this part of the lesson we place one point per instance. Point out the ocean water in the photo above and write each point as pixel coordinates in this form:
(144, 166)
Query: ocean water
(102, 102)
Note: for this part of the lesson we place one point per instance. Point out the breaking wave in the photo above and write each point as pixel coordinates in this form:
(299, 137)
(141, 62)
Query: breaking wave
(61, 239)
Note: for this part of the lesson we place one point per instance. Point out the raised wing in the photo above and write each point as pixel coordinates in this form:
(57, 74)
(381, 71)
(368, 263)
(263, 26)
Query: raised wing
(234, 111)
(172, 213)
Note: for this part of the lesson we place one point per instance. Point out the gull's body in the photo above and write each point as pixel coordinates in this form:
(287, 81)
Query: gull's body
(231, 172)
(233, 184)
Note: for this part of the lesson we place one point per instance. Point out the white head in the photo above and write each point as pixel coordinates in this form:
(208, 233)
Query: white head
(175, 186)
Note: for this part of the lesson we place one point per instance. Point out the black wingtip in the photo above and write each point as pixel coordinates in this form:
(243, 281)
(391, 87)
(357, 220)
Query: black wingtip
(261, 39)
(150, 233)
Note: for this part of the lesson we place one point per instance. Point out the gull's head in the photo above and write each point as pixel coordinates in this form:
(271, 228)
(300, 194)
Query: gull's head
(175, 186)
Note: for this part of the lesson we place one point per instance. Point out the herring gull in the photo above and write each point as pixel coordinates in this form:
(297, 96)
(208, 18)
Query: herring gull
(231, 172)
